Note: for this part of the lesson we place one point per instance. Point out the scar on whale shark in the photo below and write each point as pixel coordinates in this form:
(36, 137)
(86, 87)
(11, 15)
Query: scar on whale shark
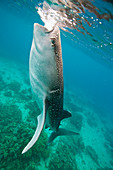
(46, 78)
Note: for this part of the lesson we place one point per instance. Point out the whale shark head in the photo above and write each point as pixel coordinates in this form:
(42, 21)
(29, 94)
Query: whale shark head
(41, 31)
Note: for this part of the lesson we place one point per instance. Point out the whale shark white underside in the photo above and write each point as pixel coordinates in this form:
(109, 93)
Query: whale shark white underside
(46, 77)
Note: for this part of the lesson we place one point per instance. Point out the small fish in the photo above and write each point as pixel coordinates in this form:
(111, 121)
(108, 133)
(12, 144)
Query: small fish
(46, 77)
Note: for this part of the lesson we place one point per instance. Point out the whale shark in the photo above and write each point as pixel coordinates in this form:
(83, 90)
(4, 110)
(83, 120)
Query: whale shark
(46, 78)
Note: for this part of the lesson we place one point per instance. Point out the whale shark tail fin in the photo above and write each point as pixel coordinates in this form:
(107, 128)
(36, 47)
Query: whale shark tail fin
(41, 119)
(60, 132)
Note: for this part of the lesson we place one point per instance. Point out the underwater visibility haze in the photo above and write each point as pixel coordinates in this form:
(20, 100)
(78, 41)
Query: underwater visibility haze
(86, 31)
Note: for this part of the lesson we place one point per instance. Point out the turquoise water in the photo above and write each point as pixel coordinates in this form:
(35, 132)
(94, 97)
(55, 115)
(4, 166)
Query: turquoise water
(88, 95)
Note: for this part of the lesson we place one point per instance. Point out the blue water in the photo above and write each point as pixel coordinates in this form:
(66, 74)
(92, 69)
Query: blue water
(86, 73)
(92, 78)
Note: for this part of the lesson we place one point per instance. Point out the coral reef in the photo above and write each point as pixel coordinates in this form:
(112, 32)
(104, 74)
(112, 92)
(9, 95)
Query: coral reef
(8, 112)
(1, 79)
(105, 168)
(76, 120)
(109, 137)
(2, 83)
(111, 162)
(90, 151)
(108, 134)
(63, 159)
(14, 86)
(14, 136)
(8, 93)
(25, 94)
(79, 145)
(33, 108)
(91, 120)
(14, 133)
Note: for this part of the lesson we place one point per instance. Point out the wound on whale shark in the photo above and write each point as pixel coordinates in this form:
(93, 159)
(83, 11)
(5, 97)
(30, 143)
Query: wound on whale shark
(46, 78)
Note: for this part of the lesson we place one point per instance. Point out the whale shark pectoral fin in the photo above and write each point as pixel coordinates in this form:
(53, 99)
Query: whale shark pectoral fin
(60, 132)
(66, 114)
(41, 119)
